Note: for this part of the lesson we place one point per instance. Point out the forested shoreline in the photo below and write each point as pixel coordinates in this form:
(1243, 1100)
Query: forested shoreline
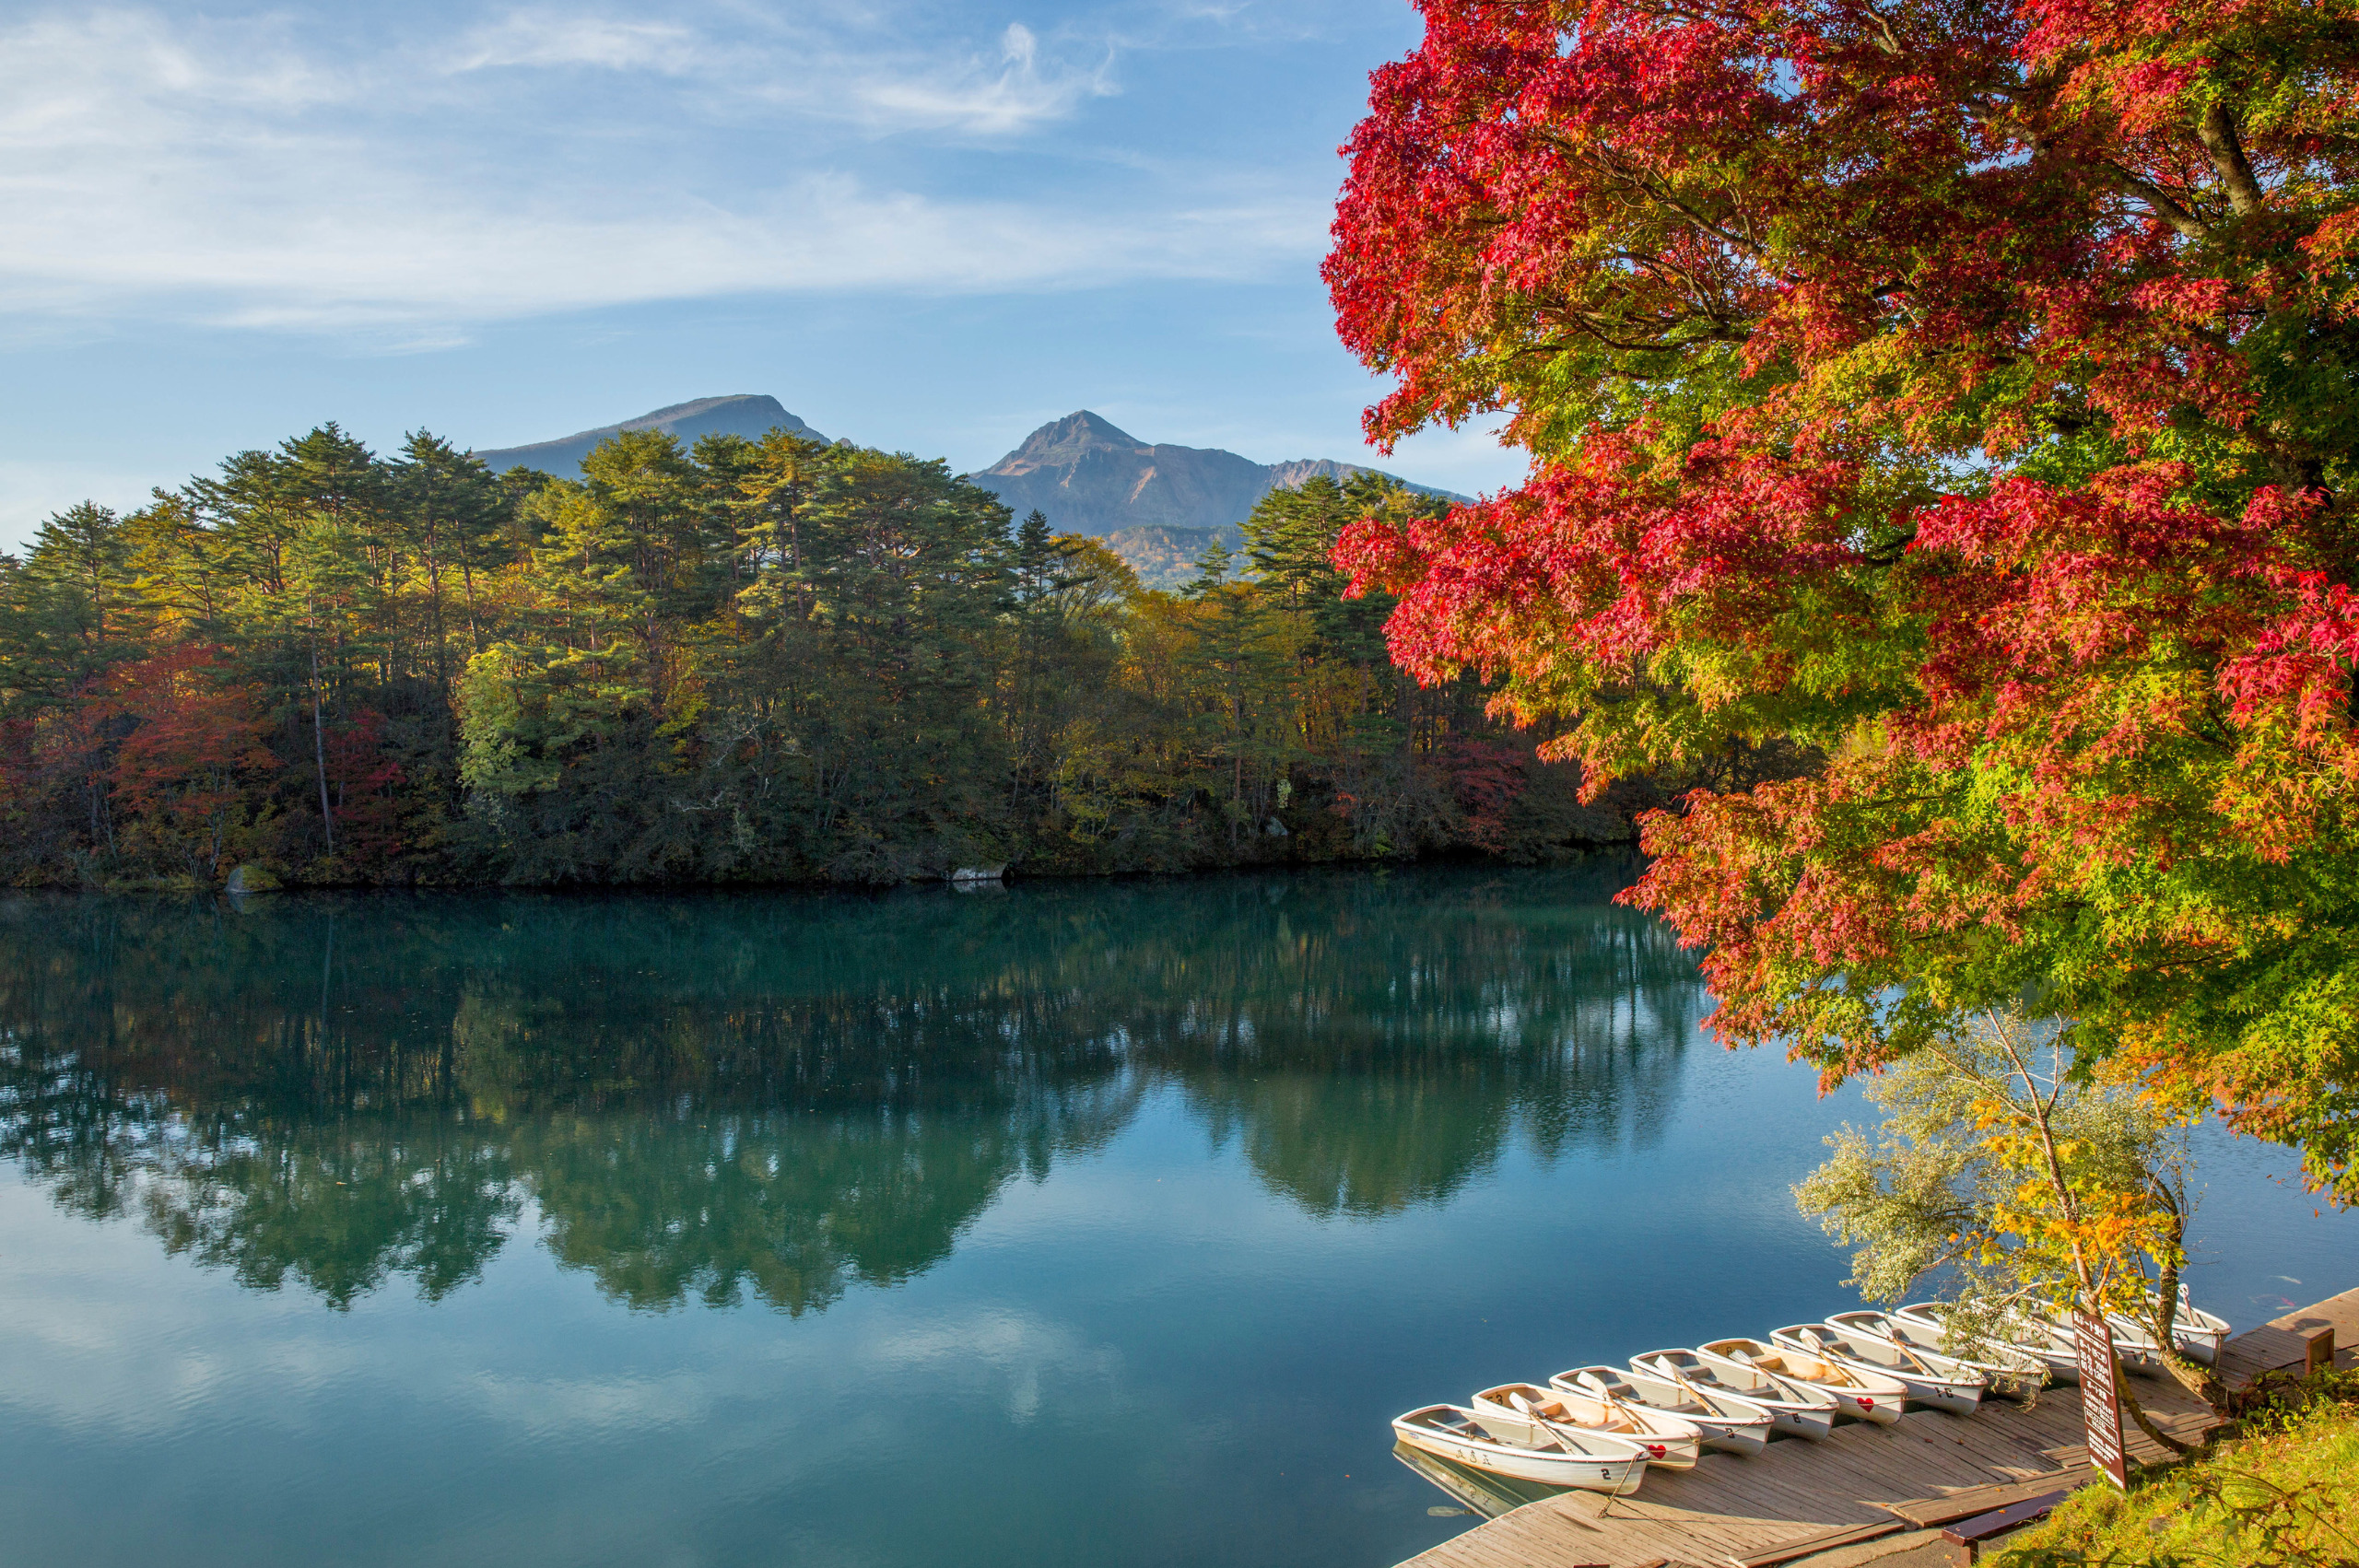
(769, 661)
(708, 1097)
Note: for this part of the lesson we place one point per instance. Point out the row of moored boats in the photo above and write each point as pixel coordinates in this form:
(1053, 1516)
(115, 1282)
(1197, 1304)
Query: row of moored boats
(1599, 1428)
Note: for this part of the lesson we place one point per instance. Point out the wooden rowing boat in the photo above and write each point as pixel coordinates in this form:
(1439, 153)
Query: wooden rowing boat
(2134, 1342)
(2029, 1333)
(1527, 1412)
(1796, 1409)
(1945, 1386)
(1723, 1421)
(1861, 1396)
(2197, 1332)
(2011, 1374)
(1593, 1462)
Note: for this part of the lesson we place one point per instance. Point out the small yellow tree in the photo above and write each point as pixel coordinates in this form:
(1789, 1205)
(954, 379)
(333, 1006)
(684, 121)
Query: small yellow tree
(2023, 1179)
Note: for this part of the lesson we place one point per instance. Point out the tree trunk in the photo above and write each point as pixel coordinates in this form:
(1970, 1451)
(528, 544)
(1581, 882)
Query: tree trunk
(2198, 1380)
(2137, 1412)
(468, 577)
(442, 632)
(2088, 1297)
(319, 748)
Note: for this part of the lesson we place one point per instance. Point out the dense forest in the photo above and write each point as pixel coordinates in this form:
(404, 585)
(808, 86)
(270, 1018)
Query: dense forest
(744, 663)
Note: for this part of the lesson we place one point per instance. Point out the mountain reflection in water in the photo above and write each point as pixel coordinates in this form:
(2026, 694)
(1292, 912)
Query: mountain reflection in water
(714, 1099)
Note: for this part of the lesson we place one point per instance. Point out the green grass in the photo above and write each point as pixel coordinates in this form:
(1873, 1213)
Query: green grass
(2282, 1492)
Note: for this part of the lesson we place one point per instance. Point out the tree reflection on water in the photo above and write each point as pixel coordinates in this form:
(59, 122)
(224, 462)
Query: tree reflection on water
(781, 1095)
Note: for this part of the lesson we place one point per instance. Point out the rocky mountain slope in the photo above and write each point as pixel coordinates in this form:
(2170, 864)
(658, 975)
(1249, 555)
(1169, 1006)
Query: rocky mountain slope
(1089, 476)
(748, 414)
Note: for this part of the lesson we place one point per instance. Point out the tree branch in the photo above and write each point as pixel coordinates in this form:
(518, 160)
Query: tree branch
(2138, 1413)
(2217, 131)
(2163, 206)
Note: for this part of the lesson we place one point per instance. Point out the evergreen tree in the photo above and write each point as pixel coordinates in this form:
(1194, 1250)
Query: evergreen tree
(72, 610)
(764, 661)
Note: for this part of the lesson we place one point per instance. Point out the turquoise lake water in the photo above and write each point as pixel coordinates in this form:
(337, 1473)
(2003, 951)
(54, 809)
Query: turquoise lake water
(1072, 1223)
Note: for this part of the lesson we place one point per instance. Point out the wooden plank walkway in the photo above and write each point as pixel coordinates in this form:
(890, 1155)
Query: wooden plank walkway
(2282, 1342)
(1802, 1497)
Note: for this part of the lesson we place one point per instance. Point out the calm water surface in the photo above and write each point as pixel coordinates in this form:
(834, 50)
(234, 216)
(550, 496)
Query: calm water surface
(1068, 1224)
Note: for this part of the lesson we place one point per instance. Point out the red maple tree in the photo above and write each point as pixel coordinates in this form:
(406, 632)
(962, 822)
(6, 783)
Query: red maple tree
(365, 783)
(1965, 394)
(193, 741)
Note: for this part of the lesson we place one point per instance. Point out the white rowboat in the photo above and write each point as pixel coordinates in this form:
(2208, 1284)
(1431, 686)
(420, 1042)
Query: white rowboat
(2029, 1334)
(1795, 1409)
(2013, 1374)
(2199, 1333)
(1946, 1387)
(2134, 1342)
(1862, 1396)
(1593, 1463)
(1725, 1421)
(1528, 1413)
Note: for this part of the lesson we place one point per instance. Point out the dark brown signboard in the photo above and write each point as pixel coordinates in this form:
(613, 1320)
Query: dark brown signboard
(2100, 1405)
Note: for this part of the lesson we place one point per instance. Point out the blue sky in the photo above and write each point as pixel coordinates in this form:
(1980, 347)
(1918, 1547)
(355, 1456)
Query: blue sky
(924, 226)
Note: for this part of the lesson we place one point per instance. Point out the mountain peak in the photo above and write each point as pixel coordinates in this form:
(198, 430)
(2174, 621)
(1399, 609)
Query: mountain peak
(750, 415)
(1065, 440)
(751, 403)
(1083, 421)
(1090, 476)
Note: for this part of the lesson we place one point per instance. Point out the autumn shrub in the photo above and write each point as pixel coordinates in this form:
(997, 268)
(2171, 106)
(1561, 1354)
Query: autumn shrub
(2282, 1492)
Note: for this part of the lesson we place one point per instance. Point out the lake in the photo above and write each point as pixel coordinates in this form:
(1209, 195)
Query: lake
(1068, 1224)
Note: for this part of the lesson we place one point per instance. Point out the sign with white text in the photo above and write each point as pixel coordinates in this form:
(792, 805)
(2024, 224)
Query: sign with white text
(2100, 1404)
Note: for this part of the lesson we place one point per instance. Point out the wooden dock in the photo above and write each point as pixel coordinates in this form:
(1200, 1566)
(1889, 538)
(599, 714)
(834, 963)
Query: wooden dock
(1866, 1489)
(1801, 1498)
(2282, 1343)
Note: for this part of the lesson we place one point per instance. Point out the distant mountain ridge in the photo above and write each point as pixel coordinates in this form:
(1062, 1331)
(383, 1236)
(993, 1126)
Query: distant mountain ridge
(1156, 506)
(750, 415)
(1089, 475)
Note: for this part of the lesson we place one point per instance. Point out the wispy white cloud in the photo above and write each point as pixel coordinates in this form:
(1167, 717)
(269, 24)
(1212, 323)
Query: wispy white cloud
(401, 251)
(982, 96)
(231, 172)
(1012, 85)
(83, 79)
(547, 39)
(1199, 23)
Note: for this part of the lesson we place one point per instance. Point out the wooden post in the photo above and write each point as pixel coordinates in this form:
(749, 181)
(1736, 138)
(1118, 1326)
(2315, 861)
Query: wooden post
(2100, 1404)
(2319, 1352)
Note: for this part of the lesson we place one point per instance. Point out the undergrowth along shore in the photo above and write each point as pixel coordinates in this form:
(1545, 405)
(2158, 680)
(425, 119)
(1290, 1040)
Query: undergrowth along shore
(2279, 1488)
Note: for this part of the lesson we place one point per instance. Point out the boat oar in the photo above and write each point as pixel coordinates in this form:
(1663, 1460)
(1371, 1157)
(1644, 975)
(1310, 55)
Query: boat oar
(1525, 1407)
(1531, 1411)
